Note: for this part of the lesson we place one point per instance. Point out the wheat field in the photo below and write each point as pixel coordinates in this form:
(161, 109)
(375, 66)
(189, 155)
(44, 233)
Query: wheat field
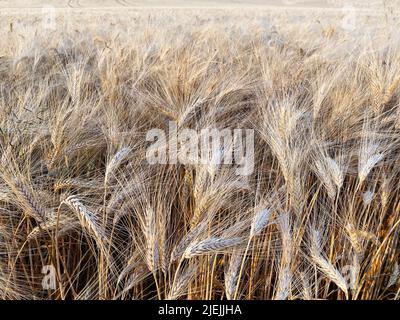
(317, 218)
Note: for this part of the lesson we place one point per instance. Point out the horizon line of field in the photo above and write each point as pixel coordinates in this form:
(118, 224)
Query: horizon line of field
(281, 9)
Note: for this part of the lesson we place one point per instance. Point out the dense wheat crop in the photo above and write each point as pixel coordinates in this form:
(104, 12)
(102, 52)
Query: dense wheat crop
(317, 218)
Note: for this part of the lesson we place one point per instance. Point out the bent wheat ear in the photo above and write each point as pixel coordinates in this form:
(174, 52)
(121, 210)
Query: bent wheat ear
(354, 239)
(150, 237)
(64, 223)
(335, 171)
(31, 207)
(306, 288)
(367, 236)
(116, 161)
(133, 262)
(180, 248)
(331, 272)
(86, 218)
(210, 245)
(134, 279)
(232, 275)
(368, 196)
(260, 221)
(330, 173)
(326, 266)
(179, 286)
(385, 193)
(325, 177)
(285, 274)
(394, 276)
(283, 289)
(366, 166)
